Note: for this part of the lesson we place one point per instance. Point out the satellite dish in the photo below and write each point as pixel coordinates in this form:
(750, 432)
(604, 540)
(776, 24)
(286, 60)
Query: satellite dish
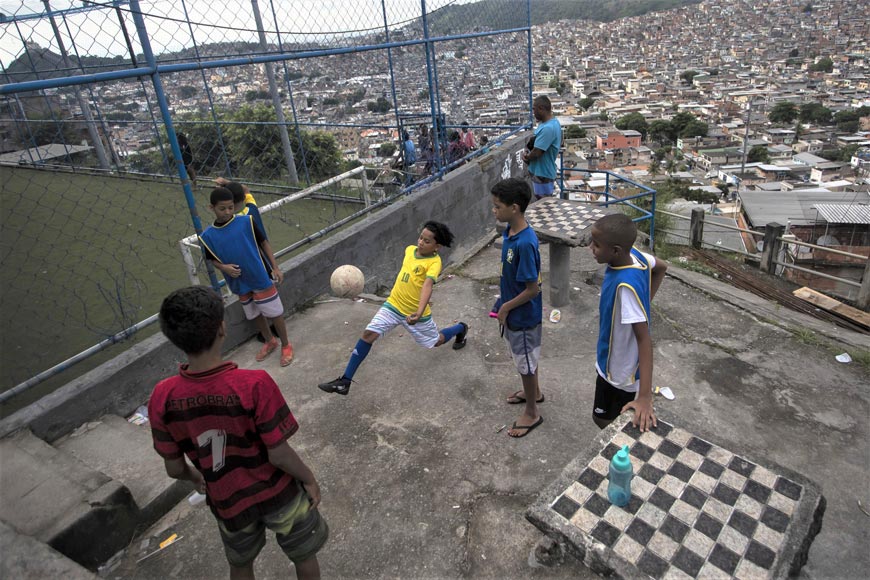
(828, 241)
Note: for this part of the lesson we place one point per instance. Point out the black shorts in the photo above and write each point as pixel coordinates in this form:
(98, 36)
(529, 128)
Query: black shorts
(609, 400)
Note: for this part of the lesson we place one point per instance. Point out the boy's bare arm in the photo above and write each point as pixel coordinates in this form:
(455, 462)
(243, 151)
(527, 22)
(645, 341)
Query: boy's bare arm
(181, 469)
(644, 415)
(658, 274)
(532, 290)
(267, 249)
(284, 458)
(425, 296)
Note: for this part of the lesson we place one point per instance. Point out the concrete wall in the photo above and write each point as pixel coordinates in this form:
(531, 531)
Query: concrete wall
(375, 245)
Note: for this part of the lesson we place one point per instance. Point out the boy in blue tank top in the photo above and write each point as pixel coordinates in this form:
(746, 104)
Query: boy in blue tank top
(239, 249)
(624, 355)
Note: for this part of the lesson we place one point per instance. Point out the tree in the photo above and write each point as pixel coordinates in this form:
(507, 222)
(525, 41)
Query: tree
(633, 122)
(45, 130)
(251, 96)
(848, 121)
(253, 146)
(382, 105)
(688, 75)
(187, 91)
(784, 113)
(815, 113)
(824, 64)
(386, 149)
(758, 153)
(586, 103)
(695, 128)
(679, 122)
(655, 166)
(793, 53)
(545, 67)
(574, 132)
(330, 101)
(808, 7)
(661, 132)
(423, 95)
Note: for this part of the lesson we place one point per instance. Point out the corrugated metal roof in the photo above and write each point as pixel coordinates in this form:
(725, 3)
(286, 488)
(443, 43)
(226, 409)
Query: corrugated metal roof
(796, 206)
(841, 213)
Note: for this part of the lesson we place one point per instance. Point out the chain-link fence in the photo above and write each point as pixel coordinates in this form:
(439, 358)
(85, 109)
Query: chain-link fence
(116, 116)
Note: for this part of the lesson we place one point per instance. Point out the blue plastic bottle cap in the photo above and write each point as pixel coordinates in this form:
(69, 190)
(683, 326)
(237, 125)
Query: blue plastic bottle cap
(620, 460)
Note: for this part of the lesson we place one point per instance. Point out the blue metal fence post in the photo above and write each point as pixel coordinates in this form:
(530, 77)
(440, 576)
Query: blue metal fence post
(136, 12)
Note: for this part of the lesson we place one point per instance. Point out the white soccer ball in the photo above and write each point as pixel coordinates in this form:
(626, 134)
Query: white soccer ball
(347, 281)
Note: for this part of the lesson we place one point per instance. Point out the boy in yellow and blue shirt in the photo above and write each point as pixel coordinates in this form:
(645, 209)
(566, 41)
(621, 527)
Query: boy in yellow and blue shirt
(408, 305)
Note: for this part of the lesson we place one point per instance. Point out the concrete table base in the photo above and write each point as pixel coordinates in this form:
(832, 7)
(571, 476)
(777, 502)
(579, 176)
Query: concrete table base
(697, 510)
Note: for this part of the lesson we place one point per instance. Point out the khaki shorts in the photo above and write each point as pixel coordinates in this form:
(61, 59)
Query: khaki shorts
(300, 532)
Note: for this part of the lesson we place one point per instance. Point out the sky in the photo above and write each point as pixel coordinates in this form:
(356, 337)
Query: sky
(96, 32)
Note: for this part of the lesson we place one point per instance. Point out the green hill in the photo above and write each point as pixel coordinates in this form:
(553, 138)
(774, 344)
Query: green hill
(489, 15)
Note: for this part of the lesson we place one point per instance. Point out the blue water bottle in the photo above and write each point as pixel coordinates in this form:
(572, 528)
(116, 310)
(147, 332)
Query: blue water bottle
(619, 486)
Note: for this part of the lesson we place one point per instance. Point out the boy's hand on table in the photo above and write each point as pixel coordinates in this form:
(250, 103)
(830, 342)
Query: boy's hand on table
(644, 415)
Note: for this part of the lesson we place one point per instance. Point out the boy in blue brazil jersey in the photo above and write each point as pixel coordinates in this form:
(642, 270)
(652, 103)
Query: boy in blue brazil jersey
(520, 310)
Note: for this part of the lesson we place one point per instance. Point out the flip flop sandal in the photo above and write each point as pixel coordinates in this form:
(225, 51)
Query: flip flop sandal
(519, 399)
(528, 428)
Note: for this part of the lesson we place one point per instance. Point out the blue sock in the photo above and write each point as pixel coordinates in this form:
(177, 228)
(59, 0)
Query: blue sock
(360, 351)
(452, 331)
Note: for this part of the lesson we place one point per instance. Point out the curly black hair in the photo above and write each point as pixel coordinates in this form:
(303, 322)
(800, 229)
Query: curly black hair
(191, 317)
(442, 233)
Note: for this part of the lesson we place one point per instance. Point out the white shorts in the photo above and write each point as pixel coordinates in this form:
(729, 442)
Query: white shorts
(424, 332)
(266, 302)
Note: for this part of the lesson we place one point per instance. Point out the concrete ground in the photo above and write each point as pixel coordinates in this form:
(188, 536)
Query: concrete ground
(419, 481)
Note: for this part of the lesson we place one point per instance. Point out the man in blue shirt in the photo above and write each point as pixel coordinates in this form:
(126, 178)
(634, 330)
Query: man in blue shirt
(409, 158)
(548, 140)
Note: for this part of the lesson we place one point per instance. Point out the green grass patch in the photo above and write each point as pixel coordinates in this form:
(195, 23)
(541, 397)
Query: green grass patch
(86, 256)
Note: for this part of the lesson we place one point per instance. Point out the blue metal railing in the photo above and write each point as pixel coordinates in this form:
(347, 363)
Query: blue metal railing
(610, 198)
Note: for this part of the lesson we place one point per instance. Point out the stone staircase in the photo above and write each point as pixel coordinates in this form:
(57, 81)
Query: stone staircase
(87, 494)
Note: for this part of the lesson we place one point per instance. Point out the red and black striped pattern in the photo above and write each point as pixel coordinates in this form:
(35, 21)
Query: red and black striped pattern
(224, 420)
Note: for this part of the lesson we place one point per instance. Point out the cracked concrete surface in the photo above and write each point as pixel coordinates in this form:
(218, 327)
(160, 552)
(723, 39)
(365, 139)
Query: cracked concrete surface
(418, 483)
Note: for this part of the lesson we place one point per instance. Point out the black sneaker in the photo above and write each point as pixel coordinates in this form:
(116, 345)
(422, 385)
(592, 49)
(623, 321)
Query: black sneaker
(340, 386)
(459, 341)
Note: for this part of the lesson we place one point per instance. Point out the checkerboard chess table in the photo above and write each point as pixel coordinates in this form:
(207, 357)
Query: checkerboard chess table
(564, 224)
(697, 510)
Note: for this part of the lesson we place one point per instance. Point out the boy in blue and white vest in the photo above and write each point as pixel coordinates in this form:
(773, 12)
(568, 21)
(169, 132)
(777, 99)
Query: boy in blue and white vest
(625, 354)
(239, 249)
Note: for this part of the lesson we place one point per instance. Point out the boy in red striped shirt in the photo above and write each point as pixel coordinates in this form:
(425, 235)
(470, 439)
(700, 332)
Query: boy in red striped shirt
(233, 426)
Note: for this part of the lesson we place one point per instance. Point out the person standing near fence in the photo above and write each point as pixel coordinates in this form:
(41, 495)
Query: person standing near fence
(467, 137)
(187, 157)
(548, 140)
(409, 158)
